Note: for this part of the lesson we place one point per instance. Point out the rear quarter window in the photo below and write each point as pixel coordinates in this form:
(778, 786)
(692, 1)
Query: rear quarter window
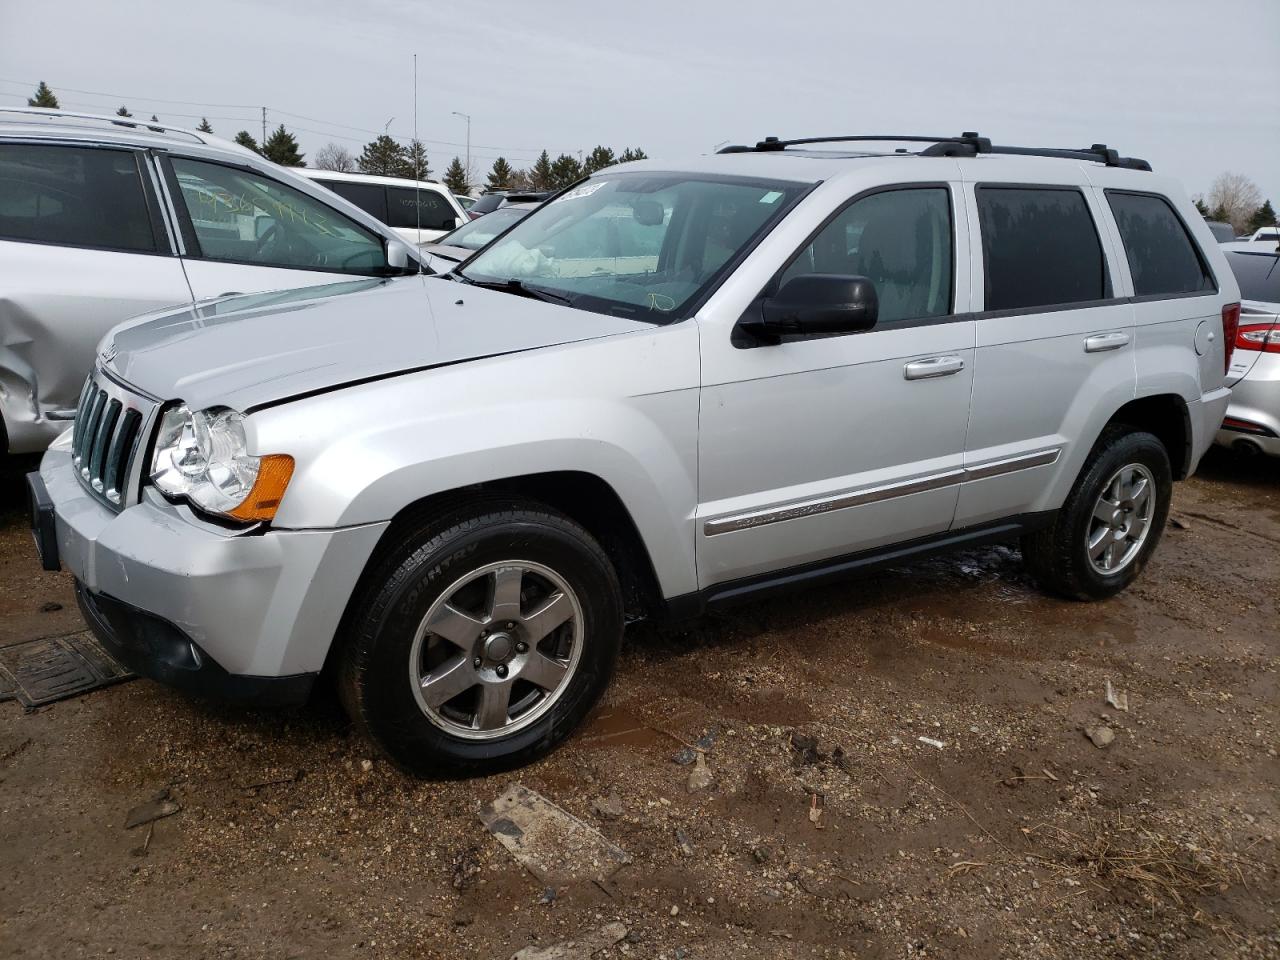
(1040, 248)
(1163, 259)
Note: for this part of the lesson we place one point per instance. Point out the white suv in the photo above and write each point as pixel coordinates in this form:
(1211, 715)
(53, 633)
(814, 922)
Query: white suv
(103, 218)
(673, 386)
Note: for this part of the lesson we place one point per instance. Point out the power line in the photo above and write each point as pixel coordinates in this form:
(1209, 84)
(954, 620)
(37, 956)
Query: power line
(120, 98)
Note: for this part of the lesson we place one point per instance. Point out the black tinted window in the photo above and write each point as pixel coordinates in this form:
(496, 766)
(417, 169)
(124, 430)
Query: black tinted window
(1258, 275)
(1162, 258)
(73, 196)
(1040, 248)
(405, 206)
(369, 197)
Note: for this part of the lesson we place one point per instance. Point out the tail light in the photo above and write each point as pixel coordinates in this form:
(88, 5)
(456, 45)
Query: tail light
(1230, 327)
(1259, 336)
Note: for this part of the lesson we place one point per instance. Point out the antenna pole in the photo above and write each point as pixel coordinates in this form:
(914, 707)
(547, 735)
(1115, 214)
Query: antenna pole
(264, 127)
(417, 173)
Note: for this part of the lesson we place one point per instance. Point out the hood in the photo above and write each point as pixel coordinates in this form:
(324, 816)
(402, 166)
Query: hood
(250, 351)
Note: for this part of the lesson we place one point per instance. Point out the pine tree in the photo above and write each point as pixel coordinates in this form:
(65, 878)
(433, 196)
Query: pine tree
(1265, 216)
(245, 139)
(154, 118)
(541, 176)
(1201, 206)
(455, 178)
(282, 148)
(44, 97)
(384, 157)
(123, 112)
(416, 160)
(629, 155)
(1219, 213)
(564, 171)
(500, 175)
(598, 159)
(205, 126)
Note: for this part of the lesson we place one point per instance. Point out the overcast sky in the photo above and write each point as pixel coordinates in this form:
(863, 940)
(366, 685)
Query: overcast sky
(1194, 87)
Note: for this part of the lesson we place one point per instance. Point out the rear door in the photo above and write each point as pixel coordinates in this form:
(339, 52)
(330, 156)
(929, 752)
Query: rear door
(83, 246)
(1055, 352)
(243, 232)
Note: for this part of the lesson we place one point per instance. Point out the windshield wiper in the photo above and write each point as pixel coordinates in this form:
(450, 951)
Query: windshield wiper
(518, 287)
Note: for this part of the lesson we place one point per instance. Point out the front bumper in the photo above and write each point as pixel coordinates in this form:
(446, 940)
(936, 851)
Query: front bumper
(249, 605)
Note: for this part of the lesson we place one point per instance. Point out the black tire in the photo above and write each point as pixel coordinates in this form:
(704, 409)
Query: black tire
(1058, 556)
(420, 564)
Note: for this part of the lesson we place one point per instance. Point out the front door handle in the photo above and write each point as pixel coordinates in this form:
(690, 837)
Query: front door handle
(1102, 342)
(932, 367)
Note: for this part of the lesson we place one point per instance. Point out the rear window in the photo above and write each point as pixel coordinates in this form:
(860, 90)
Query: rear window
(1162, 257)
(1258, 275)
(369, 197)
(74, 196)
(407, 207)
(1040, 248)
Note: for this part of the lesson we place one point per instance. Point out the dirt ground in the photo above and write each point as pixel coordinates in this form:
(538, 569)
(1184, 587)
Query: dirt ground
(829, 828)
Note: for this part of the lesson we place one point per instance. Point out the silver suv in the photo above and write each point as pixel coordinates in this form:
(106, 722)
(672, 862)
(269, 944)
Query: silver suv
(672, 387)
(103, 218)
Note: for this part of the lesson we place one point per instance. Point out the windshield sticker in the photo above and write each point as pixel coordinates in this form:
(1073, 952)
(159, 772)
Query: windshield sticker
(771, 197)
(586, 190)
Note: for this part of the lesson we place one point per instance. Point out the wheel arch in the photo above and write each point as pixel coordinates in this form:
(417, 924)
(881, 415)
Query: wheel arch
(583, 497)
(1167, 416)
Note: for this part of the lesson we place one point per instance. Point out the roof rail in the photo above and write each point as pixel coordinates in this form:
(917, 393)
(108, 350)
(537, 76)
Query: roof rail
(968, 144)
(130, 123)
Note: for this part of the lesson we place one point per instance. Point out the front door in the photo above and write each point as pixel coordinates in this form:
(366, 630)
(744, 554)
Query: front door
(818, 447)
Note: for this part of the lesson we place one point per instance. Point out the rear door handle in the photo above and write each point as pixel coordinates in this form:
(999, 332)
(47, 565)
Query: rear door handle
(1102, 342)
(932, 367)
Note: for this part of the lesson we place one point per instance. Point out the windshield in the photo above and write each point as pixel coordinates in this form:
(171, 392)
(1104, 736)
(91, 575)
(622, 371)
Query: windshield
(1258, 275)
(476, 233)
(641, 245)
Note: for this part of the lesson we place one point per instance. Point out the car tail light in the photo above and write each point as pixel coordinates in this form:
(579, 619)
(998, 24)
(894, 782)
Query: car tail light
(1259, 336)
(1230, 326)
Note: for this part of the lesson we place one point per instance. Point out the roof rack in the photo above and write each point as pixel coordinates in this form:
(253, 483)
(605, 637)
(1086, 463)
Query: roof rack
(129, 123)
(966, 145)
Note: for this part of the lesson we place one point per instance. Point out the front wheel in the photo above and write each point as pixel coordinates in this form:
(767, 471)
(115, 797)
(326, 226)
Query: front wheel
(481, 640)
(1112, 520)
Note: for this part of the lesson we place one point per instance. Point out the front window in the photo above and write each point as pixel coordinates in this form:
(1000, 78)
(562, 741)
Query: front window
(241, 217)
(643, 245)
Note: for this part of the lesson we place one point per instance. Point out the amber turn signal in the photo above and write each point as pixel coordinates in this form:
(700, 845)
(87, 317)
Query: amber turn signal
(274, 472)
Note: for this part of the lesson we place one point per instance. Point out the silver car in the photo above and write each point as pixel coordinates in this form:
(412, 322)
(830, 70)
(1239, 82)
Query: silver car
(103, 218)
(1252, 424)
(673, 387)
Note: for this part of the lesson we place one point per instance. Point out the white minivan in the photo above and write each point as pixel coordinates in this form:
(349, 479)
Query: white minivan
(420, 211)
(105, 218)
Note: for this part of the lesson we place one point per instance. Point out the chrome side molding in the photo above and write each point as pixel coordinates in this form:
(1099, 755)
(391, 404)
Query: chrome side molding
(889, 491)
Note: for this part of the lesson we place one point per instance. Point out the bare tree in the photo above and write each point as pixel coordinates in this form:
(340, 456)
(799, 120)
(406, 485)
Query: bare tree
(336, 158)
(1236, 197)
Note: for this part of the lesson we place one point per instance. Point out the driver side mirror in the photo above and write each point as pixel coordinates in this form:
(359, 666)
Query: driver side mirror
(397, 257)
(818, 303)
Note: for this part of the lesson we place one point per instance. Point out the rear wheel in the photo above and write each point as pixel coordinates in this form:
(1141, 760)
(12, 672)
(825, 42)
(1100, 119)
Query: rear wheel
(481, 639)
(1112, 520)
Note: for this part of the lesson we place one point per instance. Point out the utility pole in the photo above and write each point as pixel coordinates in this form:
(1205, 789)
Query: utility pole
(386, 127)
(466, 117)
(264, 127)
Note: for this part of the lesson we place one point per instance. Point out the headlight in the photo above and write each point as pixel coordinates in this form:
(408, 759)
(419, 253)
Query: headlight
(203, 458)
